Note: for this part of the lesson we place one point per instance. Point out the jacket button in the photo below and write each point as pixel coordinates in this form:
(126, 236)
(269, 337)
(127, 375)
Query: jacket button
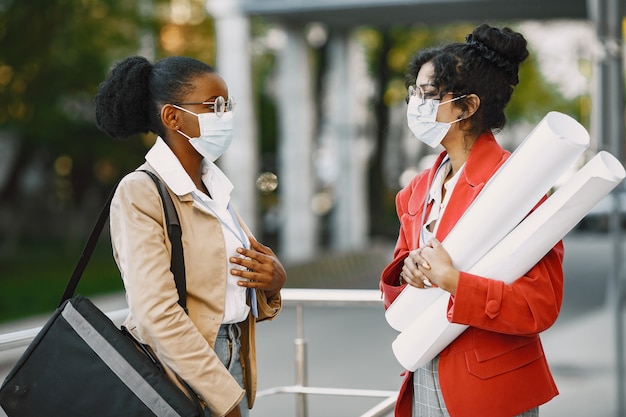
(492, 308)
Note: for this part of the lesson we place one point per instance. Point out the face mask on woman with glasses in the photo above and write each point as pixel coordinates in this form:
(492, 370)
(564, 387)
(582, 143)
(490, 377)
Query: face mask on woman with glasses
(216, 127)
(421, 114)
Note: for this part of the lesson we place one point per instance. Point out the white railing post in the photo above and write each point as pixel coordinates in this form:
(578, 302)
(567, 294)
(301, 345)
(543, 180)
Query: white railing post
(301, 364)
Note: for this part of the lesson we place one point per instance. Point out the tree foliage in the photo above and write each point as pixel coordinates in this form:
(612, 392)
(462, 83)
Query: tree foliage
(53, 55)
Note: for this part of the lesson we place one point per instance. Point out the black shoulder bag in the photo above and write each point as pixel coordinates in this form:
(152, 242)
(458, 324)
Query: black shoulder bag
(81, 364)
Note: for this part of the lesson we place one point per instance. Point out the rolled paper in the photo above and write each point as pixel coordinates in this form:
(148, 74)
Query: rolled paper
(426, 336)
(532, 169)
(411, 304)
(514, 255)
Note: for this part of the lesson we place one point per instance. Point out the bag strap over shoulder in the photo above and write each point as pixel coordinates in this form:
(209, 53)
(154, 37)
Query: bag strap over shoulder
(70, 288)
(174, 231)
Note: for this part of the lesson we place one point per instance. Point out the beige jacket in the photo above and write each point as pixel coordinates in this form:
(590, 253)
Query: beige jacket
(184, 343)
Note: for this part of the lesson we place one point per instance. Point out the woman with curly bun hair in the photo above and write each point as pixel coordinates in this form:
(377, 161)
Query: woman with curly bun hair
(232, 280)
(496, 368)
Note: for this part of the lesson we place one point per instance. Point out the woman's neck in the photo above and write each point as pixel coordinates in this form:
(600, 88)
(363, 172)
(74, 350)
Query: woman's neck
(458, 150)
(190, 160)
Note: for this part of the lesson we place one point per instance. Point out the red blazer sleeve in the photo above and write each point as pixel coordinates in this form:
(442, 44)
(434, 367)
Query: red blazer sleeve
(528, 306)
(389, 280)
(407, 239)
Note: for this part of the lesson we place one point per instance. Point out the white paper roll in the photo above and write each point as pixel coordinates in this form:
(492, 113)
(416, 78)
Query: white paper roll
(514, 255)
(426, 336)
(410, 304)
(550, 222)
(529, 173)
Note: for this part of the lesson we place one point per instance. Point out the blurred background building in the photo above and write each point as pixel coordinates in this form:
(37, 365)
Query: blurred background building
(322, 145)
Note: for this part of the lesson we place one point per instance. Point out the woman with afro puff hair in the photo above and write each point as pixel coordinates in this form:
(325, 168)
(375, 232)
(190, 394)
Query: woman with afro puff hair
(232, 280)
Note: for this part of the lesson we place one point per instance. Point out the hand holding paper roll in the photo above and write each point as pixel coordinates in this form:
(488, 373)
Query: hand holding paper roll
(430, 266)
(524, 246)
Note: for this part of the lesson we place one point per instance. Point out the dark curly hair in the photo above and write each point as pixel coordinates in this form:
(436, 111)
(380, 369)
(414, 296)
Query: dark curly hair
(129, 100)
(486, 64)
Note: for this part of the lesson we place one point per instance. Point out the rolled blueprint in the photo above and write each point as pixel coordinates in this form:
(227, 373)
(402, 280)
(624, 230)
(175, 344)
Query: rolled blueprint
(520, 183)
(514, 255)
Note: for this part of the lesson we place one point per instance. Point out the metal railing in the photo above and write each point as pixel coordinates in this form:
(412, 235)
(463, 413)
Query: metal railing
(297, 298)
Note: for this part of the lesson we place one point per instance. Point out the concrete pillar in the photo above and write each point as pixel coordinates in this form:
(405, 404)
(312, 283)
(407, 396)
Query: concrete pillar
(147, 42)
(609, 108)
(296, 113)
(601, 114)
(241, 161)
(344, 114)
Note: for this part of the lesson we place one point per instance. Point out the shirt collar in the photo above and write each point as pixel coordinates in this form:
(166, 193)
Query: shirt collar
(169, 168)
(444, 169)
(442, 172)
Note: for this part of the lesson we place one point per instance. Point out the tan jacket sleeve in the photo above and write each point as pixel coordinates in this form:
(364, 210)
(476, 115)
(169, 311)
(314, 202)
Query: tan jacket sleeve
(268, 308)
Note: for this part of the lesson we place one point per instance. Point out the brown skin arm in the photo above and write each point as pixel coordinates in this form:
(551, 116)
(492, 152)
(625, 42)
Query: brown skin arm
(264, 270)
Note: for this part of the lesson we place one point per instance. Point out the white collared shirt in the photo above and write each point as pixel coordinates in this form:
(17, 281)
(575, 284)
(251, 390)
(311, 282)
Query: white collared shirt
(169, 168)
(430, 226)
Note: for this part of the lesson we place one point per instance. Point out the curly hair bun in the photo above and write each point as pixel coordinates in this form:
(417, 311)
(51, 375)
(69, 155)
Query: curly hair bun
(503, 47)
(123, 98)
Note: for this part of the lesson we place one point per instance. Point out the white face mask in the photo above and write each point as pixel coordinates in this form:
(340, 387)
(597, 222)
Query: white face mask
(422, 121)
(216, 134)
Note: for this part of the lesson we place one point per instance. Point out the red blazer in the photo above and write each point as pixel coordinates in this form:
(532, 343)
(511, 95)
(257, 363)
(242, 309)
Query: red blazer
(497, 367)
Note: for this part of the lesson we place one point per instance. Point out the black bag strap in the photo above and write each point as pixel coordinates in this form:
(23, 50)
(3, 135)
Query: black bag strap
(70, 288)
(175, 233)
(174, 230)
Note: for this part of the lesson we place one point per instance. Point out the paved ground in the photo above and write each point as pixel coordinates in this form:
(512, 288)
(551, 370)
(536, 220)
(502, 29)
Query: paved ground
(351, 348)
(582, 357)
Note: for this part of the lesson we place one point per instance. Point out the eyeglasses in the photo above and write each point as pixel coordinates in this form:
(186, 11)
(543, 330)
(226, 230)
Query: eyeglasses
(418, 92)
(217, 106)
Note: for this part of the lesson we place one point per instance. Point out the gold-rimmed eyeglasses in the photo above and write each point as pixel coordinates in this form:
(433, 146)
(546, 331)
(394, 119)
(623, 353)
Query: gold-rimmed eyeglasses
(218, 106)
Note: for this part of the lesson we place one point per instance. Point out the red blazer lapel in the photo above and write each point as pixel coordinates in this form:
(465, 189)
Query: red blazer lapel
(485, 158)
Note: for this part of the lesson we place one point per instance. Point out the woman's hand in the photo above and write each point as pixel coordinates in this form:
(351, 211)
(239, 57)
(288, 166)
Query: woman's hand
(262, 270)
(430, 266)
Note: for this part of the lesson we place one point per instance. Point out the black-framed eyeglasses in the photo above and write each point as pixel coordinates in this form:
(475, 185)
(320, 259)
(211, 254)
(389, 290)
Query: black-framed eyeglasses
(217, 106)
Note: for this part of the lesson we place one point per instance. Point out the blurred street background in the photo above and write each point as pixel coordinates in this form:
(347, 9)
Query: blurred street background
(321, 148)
